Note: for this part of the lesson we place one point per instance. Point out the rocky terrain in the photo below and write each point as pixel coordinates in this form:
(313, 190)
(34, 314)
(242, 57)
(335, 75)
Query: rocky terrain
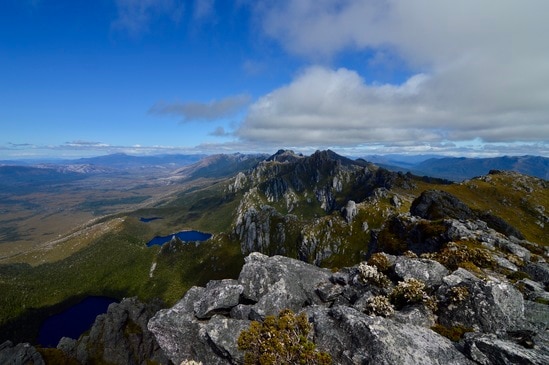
(416, 270)
(473, 295)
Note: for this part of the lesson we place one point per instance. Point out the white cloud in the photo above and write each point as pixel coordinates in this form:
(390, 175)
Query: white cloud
(200, 111)
(327, 107)
(482, 73)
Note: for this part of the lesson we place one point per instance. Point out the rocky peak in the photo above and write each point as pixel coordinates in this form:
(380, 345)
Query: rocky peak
(289, 187)
(285, 156)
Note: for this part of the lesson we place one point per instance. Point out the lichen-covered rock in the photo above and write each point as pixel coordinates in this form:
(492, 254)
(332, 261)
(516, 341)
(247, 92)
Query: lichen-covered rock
(223, 334)
(20, 354)
(354, 320)
(428, 271)
(241, 311)
(488, 349)
(352, 337)
(177, 330)
(489, 306)
(219, 295)
(539, 271)
(418, 315)
(536, 315)
(278, 282)
(328, 291)
(533, 290)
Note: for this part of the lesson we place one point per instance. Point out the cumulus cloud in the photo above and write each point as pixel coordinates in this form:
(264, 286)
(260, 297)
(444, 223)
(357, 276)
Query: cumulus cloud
(482, 72)
(135, 16)
(199, 111)
(323, 106)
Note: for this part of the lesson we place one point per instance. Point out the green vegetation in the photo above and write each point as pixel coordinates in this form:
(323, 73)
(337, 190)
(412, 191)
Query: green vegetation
(380, 261)
(284, 339)
(117, 265)
(370, 274)
(453, 333)
(511, 196)
(56, 356)
(99, 206)
(205, 208)
(466, 254)
(379, 305)
(518, 275)
(411, 291)
(111, 258)
(458, 293)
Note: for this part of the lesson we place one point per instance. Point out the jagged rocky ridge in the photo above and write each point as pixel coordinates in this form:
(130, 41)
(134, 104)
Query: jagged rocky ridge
(481, 285)
(327, 210)
(288, 198)
(503, 327)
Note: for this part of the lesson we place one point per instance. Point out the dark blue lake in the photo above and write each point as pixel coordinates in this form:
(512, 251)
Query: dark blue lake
(185, 236)
(73, 321)
(147, 220)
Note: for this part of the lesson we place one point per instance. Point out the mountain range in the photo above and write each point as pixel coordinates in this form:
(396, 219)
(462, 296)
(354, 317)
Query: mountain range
(462, 168)
(325, 210)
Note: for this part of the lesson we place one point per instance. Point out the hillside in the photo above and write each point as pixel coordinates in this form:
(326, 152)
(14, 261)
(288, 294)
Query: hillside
(323, 209)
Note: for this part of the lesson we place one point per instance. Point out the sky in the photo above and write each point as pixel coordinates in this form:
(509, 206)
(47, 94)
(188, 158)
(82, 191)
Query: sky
(361, 77)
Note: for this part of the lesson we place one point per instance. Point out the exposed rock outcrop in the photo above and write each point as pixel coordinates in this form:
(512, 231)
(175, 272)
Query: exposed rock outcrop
(20, 354)
(436, 204)
(345, 325)
(350, 211)
(355, 338)
(119, 336)
(286, 184)
(489, 306)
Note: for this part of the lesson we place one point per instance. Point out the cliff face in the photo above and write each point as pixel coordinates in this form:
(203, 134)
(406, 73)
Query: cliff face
(288, 198)
(351, 321)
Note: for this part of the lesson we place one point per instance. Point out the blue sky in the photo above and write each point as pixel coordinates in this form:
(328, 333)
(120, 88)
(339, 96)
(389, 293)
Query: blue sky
(81, 78)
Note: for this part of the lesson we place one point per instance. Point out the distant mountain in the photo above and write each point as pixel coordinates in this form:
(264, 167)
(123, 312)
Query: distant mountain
(217, 166)
(399, 159)
(124, 161)
(466, 168)
(462, 168)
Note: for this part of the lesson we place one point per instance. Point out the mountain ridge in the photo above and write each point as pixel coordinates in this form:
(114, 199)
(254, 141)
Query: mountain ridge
(462, 168)
(323, 209)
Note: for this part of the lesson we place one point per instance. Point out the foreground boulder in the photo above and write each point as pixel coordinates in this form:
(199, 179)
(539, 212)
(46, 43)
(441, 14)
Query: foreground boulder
(352, 337)
(488, 349)
(352, 319)
(486, 306)
(266, 284)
